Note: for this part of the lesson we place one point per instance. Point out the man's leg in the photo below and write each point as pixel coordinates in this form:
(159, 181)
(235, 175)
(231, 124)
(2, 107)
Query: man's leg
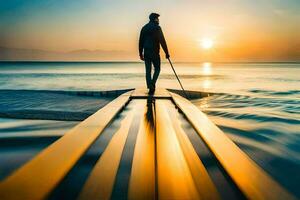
(148, 72)
(156, 64)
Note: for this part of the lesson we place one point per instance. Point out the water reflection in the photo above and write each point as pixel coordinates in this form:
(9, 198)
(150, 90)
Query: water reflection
(206, 68)
(150, 112)
(206, 83)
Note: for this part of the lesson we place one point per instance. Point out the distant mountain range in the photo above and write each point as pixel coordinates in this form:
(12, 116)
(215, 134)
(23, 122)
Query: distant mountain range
(16, 54)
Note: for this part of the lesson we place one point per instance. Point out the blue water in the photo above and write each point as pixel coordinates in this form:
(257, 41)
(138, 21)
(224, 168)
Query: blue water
(256, 104)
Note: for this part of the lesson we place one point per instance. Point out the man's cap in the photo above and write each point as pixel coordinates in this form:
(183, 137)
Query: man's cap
(153, 16)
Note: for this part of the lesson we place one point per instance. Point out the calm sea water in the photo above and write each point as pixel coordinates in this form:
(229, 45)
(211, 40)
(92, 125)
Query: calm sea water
(256, 105)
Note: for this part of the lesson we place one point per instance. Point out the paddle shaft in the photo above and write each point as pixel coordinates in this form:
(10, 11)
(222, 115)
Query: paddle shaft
(177, 78)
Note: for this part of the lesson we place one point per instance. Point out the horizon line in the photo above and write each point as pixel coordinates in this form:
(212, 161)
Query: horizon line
(136, 61)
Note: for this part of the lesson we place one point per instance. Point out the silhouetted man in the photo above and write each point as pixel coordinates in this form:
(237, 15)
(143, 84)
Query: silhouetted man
(151, 38)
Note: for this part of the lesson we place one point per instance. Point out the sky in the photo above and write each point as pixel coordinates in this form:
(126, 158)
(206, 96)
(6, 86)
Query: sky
(241, 30)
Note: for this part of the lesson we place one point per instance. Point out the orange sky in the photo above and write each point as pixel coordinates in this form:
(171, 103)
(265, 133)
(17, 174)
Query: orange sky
(265, 30)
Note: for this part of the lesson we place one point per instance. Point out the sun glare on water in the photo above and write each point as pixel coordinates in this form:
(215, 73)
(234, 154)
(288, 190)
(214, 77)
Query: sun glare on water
(206, 68)
(206, 43)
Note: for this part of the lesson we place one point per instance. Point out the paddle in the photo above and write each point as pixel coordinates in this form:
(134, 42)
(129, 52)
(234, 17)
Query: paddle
(178, 78)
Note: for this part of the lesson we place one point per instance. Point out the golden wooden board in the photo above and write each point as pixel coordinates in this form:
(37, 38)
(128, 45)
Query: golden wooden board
(164, 164)
(249, 177)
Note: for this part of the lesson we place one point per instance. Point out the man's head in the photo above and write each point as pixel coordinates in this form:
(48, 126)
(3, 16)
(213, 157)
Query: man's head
(154, 17)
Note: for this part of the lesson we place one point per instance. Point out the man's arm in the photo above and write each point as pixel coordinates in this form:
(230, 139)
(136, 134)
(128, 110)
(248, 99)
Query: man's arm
(163, 42)
(141, 44)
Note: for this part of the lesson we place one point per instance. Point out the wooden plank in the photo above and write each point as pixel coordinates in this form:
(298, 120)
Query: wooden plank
(142, 179)
(247, 175)
(100, 182)
(175, 180)
(37, 178)
(143, 93)
(201, 178)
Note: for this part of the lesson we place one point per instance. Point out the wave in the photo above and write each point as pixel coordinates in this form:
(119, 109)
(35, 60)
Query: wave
(275, 93)
(103, 75)
(53, 105)
(46, 115)
(61, 104)
(257, 118)
(265, 127)
(105, 93)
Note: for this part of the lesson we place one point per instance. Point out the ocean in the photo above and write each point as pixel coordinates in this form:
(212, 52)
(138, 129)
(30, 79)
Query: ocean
(256, 104)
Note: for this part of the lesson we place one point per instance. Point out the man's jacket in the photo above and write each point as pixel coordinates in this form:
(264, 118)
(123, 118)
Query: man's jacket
(151, 38)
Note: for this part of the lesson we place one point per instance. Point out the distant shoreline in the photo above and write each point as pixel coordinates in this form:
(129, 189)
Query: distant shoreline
(137, 62)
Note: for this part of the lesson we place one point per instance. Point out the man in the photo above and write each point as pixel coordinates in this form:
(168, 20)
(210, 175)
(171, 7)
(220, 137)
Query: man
(151, 38)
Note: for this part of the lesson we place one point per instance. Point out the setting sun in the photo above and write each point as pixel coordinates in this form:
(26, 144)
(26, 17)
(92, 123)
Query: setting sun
(206, 43)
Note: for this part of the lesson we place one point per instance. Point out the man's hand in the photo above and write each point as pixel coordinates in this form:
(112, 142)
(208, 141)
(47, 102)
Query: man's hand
(142, 57)
(167, 56)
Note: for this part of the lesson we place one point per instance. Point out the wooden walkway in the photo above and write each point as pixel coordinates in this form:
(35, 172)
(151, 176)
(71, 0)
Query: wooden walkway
(164, 165)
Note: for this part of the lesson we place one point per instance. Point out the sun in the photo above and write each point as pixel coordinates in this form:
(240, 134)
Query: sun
(206, 43)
